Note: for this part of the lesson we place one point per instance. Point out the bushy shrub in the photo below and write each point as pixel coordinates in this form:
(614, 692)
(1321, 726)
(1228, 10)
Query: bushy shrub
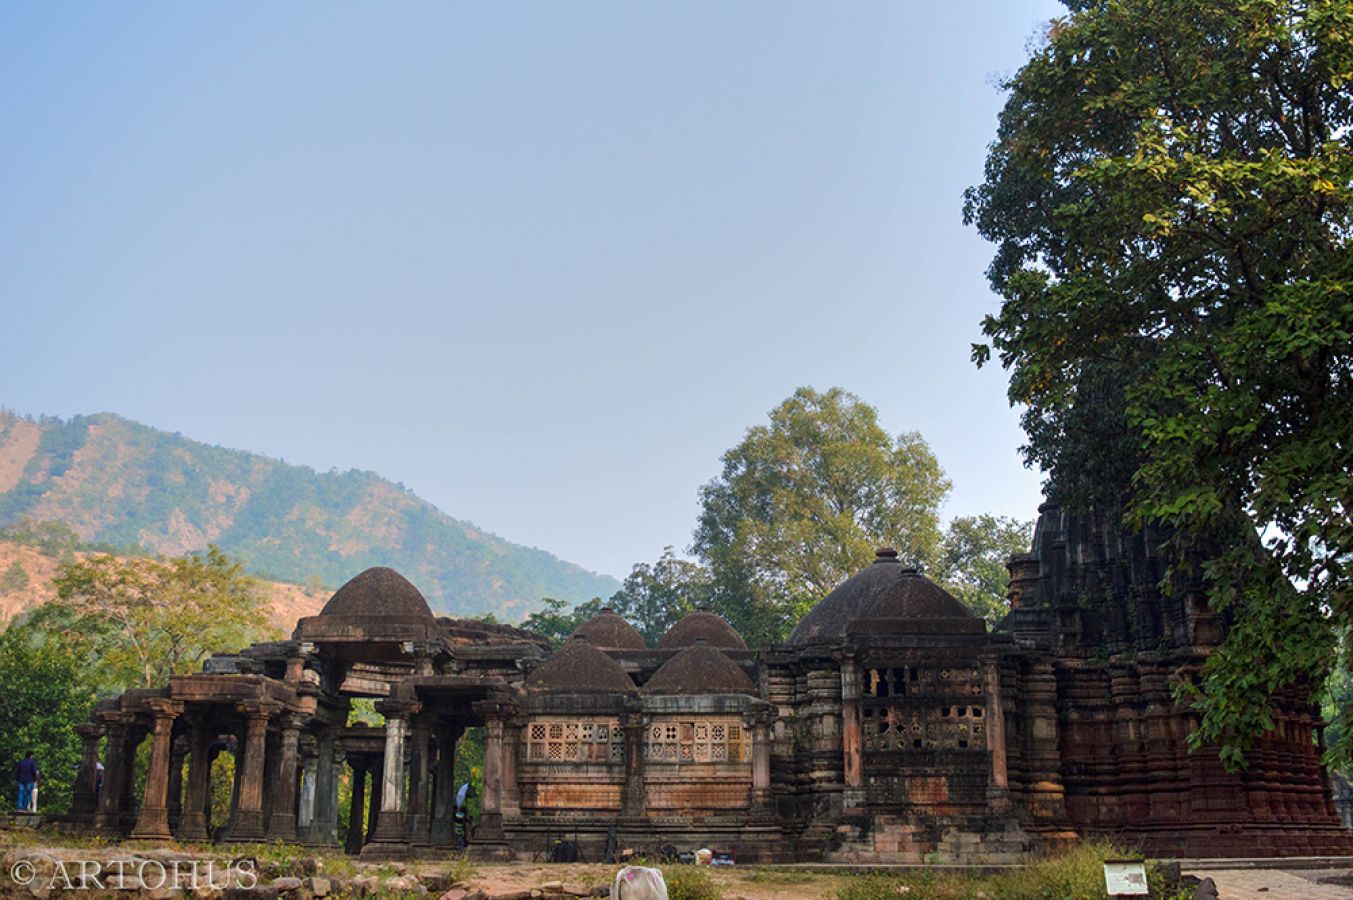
(689, 883)
(1077, 874)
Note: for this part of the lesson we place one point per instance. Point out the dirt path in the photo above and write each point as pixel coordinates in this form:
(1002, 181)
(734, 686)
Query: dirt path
(748, 883)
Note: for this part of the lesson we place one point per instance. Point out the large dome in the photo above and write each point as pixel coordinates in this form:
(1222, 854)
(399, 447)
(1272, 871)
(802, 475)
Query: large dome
(377, 592)
(609, 631)
(580, 668)
(702, 624)
(699, 669)
(886, 598)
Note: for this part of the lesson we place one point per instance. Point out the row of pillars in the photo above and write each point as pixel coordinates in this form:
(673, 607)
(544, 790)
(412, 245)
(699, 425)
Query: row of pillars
(425, 815)
(283, 793)
(280, 791)
(276, 795)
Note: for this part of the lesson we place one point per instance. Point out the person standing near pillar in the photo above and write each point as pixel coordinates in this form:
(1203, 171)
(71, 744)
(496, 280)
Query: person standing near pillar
(489, 840)
(26, 773)
(444, 789)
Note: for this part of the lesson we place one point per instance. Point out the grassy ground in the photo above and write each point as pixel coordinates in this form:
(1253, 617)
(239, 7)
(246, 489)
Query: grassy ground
(1077, 875)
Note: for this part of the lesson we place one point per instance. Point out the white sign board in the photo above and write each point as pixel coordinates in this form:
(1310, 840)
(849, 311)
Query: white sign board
(1125, 877)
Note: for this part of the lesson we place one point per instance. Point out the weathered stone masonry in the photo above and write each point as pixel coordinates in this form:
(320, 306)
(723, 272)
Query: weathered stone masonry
(891, 726)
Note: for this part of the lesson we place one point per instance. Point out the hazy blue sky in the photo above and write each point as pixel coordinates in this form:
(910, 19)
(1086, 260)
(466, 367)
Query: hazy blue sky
(543, 263)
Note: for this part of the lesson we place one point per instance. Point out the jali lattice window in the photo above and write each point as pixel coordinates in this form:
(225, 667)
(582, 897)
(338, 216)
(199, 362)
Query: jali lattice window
(595, 741)
(699, 742)
(921, 708)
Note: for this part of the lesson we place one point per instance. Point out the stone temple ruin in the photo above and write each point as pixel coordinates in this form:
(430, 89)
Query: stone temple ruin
(892, 726)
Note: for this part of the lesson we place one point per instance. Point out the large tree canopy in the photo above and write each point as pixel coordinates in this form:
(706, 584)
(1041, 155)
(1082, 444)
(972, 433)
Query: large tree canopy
(973, 559)
(655, 596)
(141, 620)
(804, 501)
(46, 687)
(1170, 193)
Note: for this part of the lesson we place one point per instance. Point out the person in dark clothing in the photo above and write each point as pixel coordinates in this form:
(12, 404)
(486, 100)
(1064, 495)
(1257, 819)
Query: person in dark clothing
(27, 776)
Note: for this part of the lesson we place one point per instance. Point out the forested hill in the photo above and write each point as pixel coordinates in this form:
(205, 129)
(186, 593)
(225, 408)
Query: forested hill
(118, 482)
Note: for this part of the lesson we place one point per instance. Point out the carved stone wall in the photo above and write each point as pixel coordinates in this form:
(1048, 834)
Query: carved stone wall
(571, 765)
(697, 764)
(1090, 595)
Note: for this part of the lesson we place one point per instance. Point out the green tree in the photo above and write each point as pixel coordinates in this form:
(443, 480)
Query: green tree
(973, 558)
(15, 578)
(141, 620)
(557, 620)
(1337, 707)
(804, 501)
(655, 596)
(46, 687)
(50, 538)
(1170, 195)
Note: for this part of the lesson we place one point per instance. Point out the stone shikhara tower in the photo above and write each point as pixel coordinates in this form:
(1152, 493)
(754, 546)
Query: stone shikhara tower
(892, 726)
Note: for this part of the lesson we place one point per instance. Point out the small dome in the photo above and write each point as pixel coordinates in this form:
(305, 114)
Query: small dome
(580, 668)
(700, 669)
(609, 631)
(888, 598)
(702, 624)
(379, 592)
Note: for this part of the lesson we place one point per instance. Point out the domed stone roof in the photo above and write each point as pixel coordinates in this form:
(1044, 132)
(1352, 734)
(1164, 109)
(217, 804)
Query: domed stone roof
(702, 624)
(580, 668)
(700, 669)
(379, 592)
(609, 631)
(885, 598)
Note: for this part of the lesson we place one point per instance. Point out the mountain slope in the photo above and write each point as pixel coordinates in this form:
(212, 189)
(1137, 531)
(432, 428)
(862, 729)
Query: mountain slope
(118, 482)
(27, 576)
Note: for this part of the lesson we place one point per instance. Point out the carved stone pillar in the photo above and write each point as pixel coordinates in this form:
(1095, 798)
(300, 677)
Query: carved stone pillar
(761, 795)
(236, 776)
(852, 757)
(127, 813)
(998, 789)
(490, 830)
(282, 823)
(373, 816)
(632, 800)
(510, 795)
(85, 801)
(295, 662)
(417, 819)
(178, 751)
(249, 812)
(153, 823)
(444, 790)
(357, 811)
(193, 820)
(272, 754)
(324, 829)
(489, 841)
(305, 807)
(390, 827)
(107, 820)
(1045, 793)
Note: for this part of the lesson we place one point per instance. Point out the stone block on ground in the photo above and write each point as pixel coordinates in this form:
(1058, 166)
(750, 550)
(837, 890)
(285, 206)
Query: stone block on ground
(405, 884)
